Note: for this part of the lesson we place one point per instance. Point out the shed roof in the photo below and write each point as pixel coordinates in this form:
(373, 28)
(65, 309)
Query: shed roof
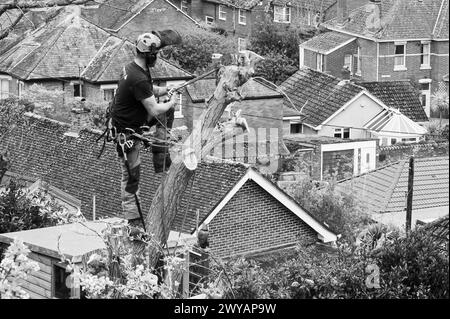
(400, 19)
(384, 189)
(400, 95)
(327, 42)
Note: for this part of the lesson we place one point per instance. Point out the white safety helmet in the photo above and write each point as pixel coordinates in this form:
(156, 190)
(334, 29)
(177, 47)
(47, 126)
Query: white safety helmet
(148, 42)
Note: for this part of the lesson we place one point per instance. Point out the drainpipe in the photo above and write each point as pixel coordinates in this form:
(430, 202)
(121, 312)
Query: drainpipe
(378, 61)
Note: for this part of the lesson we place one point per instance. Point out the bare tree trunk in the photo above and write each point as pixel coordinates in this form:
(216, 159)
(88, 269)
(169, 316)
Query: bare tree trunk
(202, 140)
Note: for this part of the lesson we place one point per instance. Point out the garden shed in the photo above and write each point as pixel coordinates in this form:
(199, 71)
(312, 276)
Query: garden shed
(76, 241)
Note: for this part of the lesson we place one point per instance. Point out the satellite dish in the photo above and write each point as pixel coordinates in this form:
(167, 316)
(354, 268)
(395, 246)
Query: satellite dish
(189, 159)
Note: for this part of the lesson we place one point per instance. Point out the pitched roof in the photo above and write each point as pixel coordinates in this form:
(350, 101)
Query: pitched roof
(317, 94)
(439, 229)
(327, 42)
(314, 4)
(108, 63)
(400, 95)
(400, 19)
(384, 189)
(115, 14)
(55, 50)
(253, 89)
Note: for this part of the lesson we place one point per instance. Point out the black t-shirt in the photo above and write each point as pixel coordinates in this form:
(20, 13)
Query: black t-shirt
(134, 86)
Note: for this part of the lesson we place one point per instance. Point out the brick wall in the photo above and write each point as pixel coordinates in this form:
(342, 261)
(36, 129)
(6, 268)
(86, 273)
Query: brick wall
(253, 220)
(390, 154)
(334, 61)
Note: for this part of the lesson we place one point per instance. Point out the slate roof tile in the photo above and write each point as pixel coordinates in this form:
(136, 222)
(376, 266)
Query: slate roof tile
(400, 95)
(319, 94)
(326, 42)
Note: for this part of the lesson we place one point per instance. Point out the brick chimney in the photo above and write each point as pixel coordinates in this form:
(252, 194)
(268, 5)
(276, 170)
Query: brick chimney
(342, 11)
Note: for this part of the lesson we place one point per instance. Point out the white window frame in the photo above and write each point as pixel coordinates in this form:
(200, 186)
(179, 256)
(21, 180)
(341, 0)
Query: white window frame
(295, 123)
(105, 87)
(184, 6)
(222, 13)
(20, 88)
(427, 54)
(349, 56)
(5, 79)
(397, 66)
(320, 59)
(209, 22)
(358, 61)
(242, 17)
(240, 40)
(427, 94)
(283, 12)
(341, 131)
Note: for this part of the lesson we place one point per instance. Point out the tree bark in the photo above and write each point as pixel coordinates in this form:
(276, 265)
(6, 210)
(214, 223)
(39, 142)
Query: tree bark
(203, 138)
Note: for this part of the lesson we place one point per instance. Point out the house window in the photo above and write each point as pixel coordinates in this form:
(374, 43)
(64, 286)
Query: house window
(393, 141)
(282, 14)
(400, 57)
(358, 62)
(222, 13)
(179, 105)
(425, 55)
(425, 94)
(20, 88)
(4, 86)
(242, 44)
(184, 6)
(319, 62)
(209, 20)
(242, 17)
(367, 158)
(109, 90)
(296, 128)
(342, 132)
(348, 62)
(77, 90)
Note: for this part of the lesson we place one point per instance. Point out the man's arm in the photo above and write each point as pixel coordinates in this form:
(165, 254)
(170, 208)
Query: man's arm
(154, 108)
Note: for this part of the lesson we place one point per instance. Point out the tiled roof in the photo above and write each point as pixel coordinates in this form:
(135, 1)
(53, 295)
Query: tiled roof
(108, 63)
(439, 229)
(56, 50)
(114, 14)
(40, 150)
(400, 19)
(317, 94)
(384, 189)
(253, 89)
(315, 4)
(327, 42)
(400, 95)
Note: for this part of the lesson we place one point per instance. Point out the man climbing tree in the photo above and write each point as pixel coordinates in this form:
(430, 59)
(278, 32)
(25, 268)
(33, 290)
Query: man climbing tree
(135, 106)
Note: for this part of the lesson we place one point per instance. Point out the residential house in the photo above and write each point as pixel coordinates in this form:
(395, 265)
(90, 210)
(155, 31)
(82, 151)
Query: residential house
(82, 60)
(128, 19)
(230, 17)
(339, 108)
(101, 75)
(383, 191)
(54, 55)
(385, 40)
(244, 211)
(321, 157)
